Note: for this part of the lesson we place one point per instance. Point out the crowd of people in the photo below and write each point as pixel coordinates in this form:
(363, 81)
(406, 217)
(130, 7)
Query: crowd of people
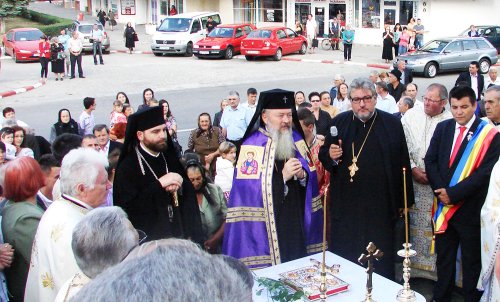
(88, 212)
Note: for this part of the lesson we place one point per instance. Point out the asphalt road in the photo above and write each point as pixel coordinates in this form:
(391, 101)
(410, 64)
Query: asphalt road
(190, 85)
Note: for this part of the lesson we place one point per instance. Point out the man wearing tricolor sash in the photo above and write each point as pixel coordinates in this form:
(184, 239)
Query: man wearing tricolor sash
(458, 163)
(274, 211)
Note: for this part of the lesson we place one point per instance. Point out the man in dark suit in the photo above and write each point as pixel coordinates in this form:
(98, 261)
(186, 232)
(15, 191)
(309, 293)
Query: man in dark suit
(406, 73)
(443, 162)
(473, 78)
(106, 145)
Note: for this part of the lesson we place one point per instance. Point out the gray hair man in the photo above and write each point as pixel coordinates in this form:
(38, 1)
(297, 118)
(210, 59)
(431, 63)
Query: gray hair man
(102, 239)
(419, 124)
(492, 105)
(368, 152)
(233, 122)
(84, 186)
(173, 273)
(337, 80)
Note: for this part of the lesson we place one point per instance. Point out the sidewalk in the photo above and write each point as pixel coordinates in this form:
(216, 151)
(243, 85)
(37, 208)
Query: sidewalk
(116, 36)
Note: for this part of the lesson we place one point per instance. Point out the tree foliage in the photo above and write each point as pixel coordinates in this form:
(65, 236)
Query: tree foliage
(11, 8)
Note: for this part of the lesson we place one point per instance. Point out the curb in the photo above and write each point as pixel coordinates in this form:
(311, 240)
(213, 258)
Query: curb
(20, 90)
(382, 66)
(134, 52)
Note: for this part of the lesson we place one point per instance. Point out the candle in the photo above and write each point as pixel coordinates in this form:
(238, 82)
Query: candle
(406, 209)
(324, 230)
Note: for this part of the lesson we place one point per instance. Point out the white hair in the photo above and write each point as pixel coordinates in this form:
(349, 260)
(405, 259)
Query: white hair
(102, 239)
(338, 76)
(285, 146)
(169, 273)
(81, 166)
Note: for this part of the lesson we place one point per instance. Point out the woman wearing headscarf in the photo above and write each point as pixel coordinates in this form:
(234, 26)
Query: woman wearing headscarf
(205, 141)
(129, 37)
(65, 124)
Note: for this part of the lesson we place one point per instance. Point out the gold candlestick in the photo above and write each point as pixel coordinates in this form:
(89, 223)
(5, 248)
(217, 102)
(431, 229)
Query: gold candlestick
(322, 287)
(407, 241)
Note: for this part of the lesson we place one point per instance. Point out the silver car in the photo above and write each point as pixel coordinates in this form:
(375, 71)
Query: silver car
(84, 30)
(451, 54)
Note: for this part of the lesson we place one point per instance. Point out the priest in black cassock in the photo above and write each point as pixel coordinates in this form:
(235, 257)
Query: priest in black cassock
(150, 183)
(274, 210)
(366, 161)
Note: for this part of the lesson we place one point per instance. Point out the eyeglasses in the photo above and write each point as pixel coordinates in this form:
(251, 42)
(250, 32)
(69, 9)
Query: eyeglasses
(315, 100)
(366, 99)
(432, 101)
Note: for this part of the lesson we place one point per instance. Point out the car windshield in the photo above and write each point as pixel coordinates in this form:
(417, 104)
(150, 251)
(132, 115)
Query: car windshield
(221, 32)
(175, 25)
(260, 34)
(435, 46)
(87, 28)
(31, 35)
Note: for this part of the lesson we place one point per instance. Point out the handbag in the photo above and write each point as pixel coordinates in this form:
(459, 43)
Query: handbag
(314, 42)
(136, 38)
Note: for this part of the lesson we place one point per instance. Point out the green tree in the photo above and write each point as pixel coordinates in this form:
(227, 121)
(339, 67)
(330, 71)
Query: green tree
(10, 8)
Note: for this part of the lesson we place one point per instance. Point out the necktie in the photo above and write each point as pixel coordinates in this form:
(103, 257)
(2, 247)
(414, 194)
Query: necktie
(458, 142)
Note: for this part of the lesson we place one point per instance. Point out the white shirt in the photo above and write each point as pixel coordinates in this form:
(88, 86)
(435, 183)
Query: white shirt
(311, 26)
(75, 45)
(104, 150)
(387, 103)
(86, 123)
(342, 106)
(473, 83)
(487, 82)
(466, 132)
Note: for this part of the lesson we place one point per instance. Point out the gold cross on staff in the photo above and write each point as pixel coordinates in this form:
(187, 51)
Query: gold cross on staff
(353, 168)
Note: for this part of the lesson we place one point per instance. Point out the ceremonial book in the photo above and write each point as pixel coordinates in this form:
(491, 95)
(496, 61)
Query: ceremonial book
(308, 280)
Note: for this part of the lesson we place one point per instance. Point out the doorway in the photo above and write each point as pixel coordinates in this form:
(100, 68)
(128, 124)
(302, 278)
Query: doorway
(337, 10)
(319, 15)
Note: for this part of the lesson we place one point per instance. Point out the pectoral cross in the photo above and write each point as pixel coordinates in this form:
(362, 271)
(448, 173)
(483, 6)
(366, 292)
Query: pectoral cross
(353, 168)
(373, 254)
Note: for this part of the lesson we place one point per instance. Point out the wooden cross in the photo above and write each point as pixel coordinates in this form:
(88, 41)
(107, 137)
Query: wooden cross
(373, 254)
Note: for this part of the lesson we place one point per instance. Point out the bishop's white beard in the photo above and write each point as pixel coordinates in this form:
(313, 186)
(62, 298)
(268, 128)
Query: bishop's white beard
(285, 146)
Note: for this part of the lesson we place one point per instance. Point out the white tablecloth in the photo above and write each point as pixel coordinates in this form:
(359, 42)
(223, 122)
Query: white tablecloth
(384, 290)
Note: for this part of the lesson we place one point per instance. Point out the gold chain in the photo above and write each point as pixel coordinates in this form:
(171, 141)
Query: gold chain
(353, 168)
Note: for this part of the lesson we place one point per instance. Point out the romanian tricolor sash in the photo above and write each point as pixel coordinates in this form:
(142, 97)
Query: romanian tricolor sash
(250, 233)
(472, 157)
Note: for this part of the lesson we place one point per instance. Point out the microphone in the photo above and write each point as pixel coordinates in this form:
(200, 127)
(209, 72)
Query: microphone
(334, 134)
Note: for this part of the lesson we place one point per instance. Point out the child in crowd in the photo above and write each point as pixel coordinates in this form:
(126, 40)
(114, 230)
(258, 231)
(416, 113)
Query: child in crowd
(127, 110)
(7, 137)
(225, 167)
(117, 115)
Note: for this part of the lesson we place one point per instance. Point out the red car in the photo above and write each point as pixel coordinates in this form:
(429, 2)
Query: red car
(224, 41)
(272, 41)
(22, 44)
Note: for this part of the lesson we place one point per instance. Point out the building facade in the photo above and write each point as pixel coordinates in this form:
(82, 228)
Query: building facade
(441, 18)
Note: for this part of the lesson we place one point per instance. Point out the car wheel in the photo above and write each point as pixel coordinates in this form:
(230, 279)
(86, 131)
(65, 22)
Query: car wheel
(229, 53)
(158, 54)
(303, 49)
(484, 65)
(189, 50)
(430, 70)
(277, 56)
(14, 56)
(249, 58)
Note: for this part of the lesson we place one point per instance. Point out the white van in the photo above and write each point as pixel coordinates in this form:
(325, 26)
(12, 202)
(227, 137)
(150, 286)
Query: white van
(177, 34)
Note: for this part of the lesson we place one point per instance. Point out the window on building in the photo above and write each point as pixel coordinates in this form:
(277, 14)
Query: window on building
(370, 14)
(271, 11)
(406, 9)
(245, 11)
(164, 8)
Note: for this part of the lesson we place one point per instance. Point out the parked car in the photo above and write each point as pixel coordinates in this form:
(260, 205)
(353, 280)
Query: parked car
(22, 44)
(177, 34)
(84, 30)
(450, 54)
(224, 41)
(272, 41)
(489, 32)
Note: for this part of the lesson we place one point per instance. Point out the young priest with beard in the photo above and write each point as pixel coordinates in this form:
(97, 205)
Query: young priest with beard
(150, 184)
(284, 218)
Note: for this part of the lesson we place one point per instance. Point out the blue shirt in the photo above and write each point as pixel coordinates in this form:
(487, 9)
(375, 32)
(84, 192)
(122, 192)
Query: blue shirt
(63, 39)
(348, 35)
(233, 120)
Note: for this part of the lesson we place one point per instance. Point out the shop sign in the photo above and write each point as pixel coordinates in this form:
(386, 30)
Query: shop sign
(128, 7)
